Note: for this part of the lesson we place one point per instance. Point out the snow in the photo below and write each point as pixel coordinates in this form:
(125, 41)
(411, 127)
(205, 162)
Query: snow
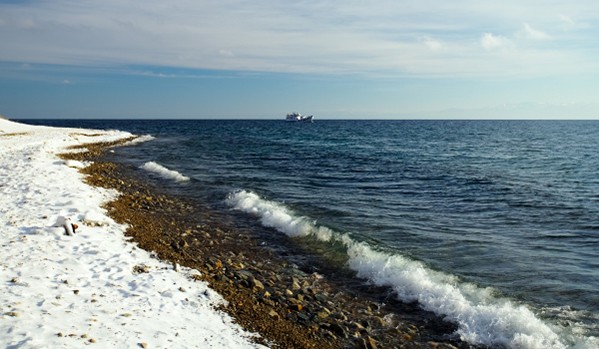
(93, 288)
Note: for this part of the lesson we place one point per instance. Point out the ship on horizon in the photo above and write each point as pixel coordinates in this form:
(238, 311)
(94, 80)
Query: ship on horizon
(297, 117)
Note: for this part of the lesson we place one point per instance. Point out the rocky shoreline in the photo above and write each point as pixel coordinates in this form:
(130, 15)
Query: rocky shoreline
(289, 307)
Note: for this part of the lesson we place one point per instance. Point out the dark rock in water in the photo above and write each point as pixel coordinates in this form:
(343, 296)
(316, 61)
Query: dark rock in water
(329, 334)
(367, 343)
(359, 328)
(339, 316)
(321, 298)
(296, 307)
(323, 314)
(244, 283)
(295, 285)
(378, 321)
(365, 323)
(243, 275)
(303, 317)
(337, 329)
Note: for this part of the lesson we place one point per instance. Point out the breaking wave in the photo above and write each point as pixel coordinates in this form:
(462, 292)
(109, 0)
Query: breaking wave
(164, 172)
(481, 317)
(140, 139)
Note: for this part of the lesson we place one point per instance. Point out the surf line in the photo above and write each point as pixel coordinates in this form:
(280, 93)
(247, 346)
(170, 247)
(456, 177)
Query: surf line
(481, 317)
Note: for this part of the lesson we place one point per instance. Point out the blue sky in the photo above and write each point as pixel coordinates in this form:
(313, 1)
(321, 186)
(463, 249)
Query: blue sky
(264, 58)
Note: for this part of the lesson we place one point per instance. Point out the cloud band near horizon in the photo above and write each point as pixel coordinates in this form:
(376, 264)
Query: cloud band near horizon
(378, 38)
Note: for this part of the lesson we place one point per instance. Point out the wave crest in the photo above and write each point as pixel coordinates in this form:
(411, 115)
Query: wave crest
(140, 139)
(481, 317)
(164, 172)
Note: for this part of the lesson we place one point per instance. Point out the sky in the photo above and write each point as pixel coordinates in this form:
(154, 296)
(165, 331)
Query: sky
(366, 59)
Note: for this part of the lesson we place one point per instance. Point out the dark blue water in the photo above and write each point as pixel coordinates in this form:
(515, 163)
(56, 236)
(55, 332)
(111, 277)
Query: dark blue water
(493, 224)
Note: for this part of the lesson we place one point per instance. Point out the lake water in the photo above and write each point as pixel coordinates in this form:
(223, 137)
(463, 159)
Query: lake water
(491, 224)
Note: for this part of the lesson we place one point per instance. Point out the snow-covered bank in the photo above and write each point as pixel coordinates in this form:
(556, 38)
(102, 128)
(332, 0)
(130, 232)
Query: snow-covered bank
(93, 288)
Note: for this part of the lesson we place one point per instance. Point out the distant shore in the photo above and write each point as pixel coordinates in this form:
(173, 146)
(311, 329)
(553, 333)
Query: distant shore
(288, 307)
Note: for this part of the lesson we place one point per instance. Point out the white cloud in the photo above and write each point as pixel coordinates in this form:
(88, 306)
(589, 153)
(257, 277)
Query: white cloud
(226, 53)
(567, 23)
(493, 42)
(389, 37)
(566, 19)
(433, 44)
(533, 34)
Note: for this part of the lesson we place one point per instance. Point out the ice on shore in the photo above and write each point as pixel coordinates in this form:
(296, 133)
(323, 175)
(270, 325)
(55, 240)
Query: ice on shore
(87, 289)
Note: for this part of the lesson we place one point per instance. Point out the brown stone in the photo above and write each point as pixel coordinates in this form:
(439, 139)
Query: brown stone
(370, 343)
(296, 307)
(257, 284)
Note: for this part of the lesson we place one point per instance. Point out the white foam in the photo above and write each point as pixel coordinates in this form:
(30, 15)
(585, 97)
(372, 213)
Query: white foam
(164, 172)
(481, 318)
(277, 216)
(140, 139)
